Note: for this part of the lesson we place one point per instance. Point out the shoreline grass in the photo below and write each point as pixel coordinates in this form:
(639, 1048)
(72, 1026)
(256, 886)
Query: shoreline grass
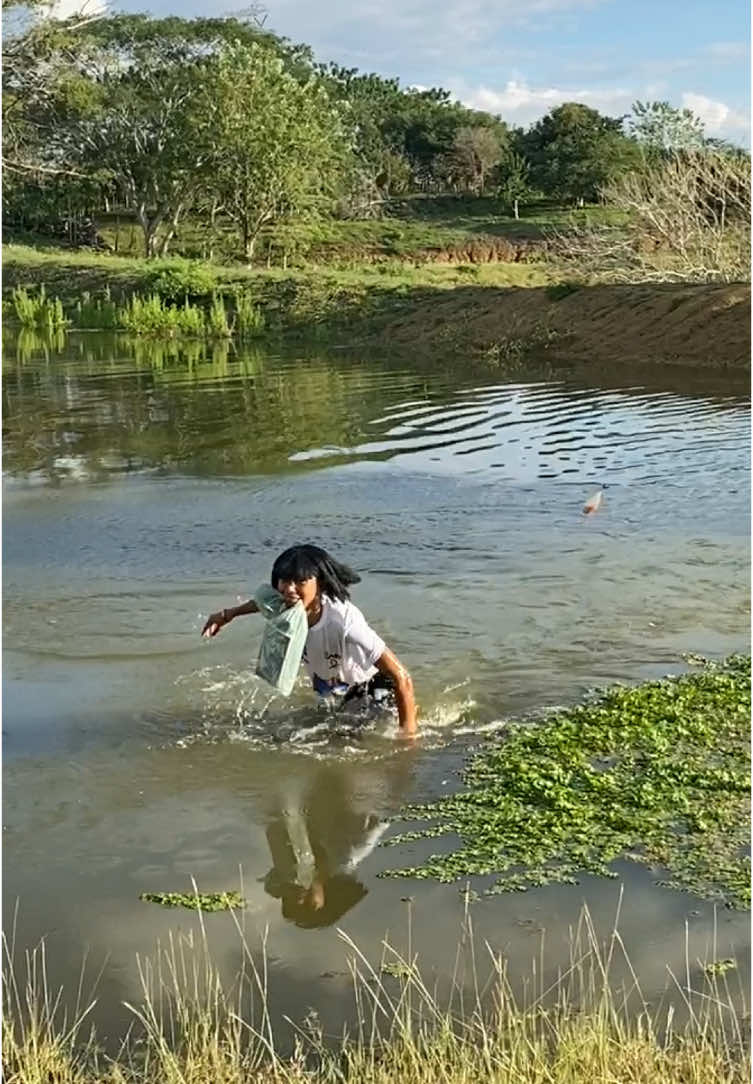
(190, 1028)
(491, 312)
(149, 315)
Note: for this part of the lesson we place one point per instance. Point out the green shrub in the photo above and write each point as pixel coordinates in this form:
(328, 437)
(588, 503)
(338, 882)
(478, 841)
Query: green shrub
(249, 319)
(39, 311)
(217, 324)
(101, 314)
(153, 316)
(174, 280)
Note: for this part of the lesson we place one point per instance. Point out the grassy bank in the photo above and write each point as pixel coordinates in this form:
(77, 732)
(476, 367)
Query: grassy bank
(493, 311)
(189, 1028)
(417, 229)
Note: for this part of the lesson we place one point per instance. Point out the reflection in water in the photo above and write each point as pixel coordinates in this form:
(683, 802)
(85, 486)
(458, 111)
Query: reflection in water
(112, 405)
(29, 343)
(317, 841)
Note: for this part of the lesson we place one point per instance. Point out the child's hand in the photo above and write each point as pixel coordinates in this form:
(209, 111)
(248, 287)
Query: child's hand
(214, 623)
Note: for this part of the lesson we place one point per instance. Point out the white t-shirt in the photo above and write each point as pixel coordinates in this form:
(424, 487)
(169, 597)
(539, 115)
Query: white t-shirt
(341, 648)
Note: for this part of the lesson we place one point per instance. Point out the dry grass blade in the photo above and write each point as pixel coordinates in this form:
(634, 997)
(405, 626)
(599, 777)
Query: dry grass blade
(191, 1029)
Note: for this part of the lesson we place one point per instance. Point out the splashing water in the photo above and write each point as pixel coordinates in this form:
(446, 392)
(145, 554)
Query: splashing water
(235, 706)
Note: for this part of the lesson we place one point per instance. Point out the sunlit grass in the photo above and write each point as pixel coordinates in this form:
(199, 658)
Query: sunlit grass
(408, 228)
(18, 259)
(190, 1027)
(310, 301)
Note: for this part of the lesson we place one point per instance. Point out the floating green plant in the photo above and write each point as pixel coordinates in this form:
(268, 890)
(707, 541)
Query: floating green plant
(720, 967)
(197, 901)
(657, 774)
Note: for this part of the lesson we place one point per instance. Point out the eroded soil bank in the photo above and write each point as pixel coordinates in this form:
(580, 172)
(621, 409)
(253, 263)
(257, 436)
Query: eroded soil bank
(706, 325)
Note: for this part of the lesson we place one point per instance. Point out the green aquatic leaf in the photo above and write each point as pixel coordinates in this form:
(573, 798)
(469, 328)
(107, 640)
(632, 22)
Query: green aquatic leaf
(657, 774)
(720, 967)
(202, 901)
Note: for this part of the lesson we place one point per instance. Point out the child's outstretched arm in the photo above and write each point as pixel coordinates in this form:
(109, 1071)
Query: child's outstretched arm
(216, 621)
(388, 663)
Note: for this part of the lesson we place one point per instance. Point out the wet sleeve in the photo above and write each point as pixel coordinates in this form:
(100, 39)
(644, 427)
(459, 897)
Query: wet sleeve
(362, 644)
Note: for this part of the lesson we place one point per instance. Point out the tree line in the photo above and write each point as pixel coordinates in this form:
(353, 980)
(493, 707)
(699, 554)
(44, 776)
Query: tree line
(164, 118)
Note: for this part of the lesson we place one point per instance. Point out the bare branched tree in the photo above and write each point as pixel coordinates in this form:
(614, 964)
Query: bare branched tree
(687, 220)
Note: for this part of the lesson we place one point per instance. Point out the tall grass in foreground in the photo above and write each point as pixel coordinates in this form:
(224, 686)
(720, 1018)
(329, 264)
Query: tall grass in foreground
(190, 1029)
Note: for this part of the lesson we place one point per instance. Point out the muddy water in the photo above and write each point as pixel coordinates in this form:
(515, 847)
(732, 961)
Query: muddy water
(143, 489)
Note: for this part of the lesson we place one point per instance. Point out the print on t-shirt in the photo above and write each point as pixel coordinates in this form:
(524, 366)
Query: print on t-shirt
(341, 648)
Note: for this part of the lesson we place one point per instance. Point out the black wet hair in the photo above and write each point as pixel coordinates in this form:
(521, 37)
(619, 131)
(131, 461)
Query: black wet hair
(303, 562)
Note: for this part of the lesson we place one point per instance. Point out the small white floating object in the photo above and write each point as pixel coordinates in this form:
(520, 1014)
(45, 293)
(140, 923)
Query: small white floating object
(593, 504)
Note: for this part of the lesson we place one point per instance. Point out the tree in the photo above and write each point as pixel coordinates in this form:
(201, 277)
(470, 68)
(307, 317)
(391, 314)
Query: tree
(142, 136)
(574, 151)
(475, 152)
(43, 88)
(662, 129)
(107, 101)
(150, 74)
(687, 219)
(417, 126)
(274, 146)
(515, 184)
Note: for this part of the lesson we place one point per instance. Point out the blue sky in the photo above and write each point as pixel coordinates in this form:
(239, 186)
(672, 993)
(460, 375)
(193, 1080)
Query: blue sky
(522, 59)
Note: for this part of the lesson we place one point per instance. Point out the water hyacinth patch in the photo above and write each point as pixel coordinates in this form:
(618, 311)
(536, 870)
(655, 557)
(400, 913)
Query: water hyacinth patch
(657, 774)
(196, 901)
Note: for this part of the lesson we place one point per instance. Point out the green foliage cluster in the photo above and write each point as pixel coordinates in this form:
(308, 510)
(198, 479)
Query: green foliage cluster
(574, 151)
(249, 319)
(657, 774)
(99, 313)
(141, 314)
(720, 967)
(38, 311)
(196, 901)
(176, 279)
(150, 315)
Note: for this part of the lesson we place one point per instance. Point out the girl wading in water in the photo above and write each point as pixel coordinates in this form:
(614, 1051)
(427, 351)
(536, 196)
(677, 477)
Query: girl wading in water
(343, 655)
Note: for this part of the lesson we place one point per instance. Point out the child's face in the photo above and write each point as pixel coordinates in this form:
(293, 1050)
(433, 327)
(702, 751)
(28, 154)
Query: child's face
(304, 591)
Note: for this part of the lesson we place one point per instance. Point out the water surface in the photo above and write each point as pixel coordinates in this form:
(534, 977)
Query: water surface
(144, 488)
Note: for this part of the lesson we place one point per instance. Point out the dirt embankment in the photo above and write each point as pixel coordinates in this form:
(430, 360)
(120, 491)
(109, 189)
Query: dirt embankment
(481, 249)
(703, 325)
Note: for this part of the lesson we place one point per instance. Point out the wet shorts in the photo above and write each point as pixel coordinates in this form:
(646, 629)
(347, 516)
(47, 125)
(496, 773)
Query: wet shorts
(380, 688)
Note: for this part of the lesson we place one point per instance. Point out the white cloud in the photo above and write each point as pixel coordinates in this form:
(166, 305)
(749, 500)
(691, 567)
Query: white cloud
(729, 50)
(400, 32)
(718, 118)
(520, 103)
(64, 9)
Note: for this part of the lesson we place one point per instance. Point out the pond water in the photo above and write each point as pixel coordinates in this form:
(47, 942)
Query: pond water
(144, 487)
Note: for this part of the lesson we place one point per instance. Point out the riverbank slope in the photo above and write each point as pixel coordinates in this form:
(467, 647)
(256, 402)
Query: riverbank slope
(499, 312)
